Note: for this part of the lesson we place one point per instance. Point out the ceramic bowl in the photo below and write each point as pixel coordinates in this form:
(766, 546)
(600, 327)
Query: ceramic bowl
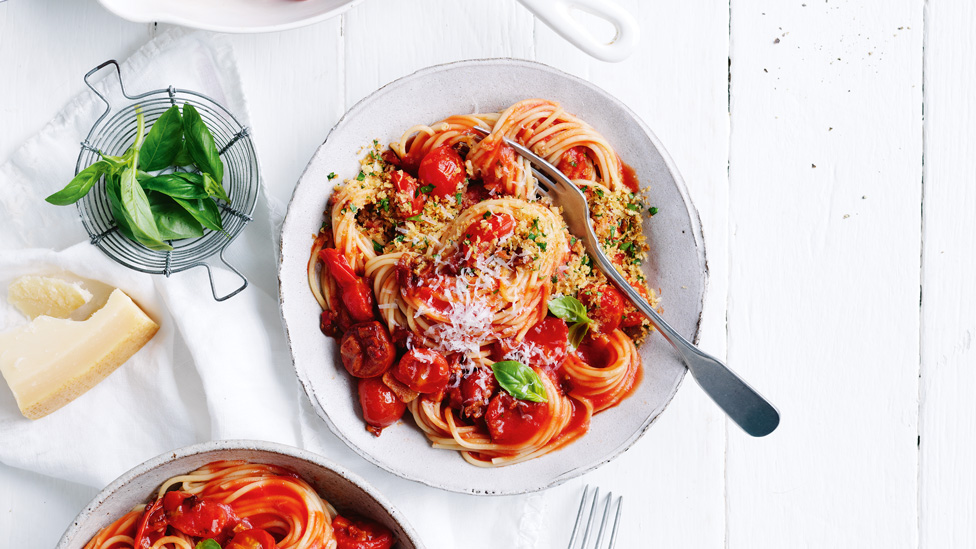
(676, 265)
(346, 491)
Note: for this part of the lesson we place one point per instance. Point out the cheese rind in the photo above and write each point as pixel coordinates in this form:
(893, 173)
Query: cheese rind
(41, 295)
(50, 362)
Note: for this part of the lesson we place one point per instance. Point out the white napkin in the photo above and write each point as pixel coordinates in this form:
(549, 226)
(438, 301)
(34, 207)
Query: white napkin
(214, 370)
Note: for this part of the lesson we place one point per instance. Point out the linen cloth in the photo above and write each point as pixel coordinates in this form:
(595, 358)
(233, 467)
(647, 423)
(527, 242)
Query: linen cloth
(214, 370)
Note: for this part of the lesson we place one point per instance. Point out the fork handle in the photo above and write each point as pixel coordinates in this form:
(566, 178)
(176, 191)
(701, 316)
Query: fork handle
(753, 413)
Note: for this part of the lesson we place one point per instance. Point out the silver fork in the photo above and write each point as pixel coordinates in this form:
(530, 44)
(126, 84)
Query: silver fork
(603, 521)
(753, 413)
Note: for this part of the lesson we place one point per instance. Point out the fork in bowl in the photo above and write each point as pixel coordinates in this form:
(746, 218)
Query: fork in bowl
(753, 413)
(603, 520)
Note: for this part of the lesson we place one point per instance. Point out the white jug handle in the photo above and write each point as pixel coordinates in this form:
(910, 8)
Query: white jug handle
(556, 14)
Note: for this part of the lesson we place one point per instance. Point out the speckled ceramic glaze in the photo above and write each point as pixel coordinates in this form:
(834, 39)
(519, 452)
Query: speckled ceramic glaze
(344, 490)
(676, 265)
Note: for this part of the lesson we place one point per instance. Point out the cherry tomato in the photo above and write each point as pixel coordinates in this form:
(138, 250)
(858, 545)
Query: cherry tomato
(478, 239)
(575, 164)
(254, 538)
(477, 389)
(367, 350)
(360, 533)
(153, 521)
(473, 194)
(443, 169)
(604, 305)
(335, 323)
(381, 407)
(355, 294)
(196, 516)
(512, 421)
(632, 317)
(409, 201)
(547, 343)
(423, 370)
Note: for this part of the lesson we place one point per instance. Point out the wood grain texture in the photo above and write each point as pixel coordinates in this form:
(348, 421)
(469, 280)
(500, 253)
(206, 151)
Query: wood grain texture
(947, 499)
(677, 82)
(825, 177)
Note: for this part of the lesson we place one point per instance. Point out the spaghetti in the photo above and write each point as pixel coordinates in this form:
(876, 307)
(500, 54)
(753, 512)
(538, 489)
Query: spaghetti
(440, 260)
(239, 505)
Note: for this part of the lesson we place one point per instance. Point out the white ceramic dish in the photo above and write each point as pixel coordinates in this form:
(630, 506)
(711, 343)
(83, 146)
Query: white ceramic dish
(676, 265)
(346, 491)
(247, 16)
(237, 16)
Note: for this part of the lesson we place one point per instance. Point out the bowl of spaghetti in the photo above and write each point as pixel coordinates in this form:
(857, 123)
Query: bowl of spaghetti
(241, 494)
(443, 321)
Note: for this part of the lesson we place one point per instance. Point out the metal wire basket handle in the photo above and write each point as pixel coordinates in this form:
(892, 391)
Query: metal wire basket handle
(167, 268)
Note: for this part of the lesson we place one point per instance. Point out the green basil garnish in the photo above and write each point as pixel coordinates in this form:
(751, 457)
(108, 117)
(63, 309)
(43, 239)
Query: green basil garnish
(200, 144)
(519, 380)
(207, 544)
(78, 187)
(177, 185)
(164, 141)
(573, 311)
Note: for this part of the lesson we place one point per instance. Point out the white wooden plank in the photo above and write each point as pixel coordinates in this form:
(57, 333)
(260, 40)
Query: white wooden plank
(387, 39)
(677, 82)
(947, 498)
(825, 175)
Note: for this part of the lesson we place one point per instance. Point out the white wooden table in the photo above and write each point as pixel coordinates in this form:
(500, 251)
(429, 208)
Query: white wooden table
(835, 289)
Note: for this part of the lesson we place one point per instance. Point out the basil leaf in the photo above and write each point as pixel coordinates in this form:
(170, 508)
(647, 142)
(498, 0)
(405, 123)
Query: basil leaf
(207, 544)
(569, 309)
(577, 332)
(115, 203)
(377, 247)
(172, 219)
(80, 185)
(139, 214)
(164, 141)
(183, 158)
(200, 143)
(204, 210)
(214, 188)
(519, 380)
(176, 186)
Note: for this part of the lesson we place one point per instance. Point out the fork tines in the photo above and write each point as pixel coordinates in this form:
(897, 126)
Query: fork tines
(594, 503)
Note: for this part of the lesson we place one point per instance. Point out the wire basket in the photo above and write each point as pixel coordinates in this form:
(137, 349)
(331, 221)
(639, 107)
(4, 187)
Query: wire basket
(112, 135)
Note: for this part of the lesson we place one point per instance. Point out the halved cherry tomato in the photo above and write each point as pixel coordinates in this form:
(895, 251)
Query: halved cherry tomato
(473, 194)
(254, 538)
(604, 305)
(409, 201)
(355, 294)
(632, 317)
(575, 164)
(499, 166)
(153, 520)
(197, 516)
(360, 533)
(443, 169)
(513, 421)
(381, 407)
(423, 370)
(484, 233)
(547, 342)
(477, 389)
(367, 350)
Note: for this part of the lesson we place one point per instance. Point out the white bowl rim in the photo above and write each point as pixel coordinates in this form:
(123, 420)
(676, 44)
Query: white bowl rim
(234, 444)
(697, 234)
(150, 17)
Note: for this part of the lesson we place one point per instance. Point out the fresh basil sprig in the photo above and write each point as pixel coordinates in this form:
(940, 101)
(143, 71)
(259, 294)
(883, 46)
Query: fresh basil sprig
(200, 144)
(207, 544)
(573, 311)
(519, 380)
(164, 141)
(154, 208)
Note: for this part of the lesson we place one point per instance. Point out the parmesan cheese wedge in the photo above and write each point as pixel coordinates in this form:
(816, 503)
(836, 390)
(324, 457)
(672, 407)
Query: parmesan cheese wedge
(50, 362)
(41, 295)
